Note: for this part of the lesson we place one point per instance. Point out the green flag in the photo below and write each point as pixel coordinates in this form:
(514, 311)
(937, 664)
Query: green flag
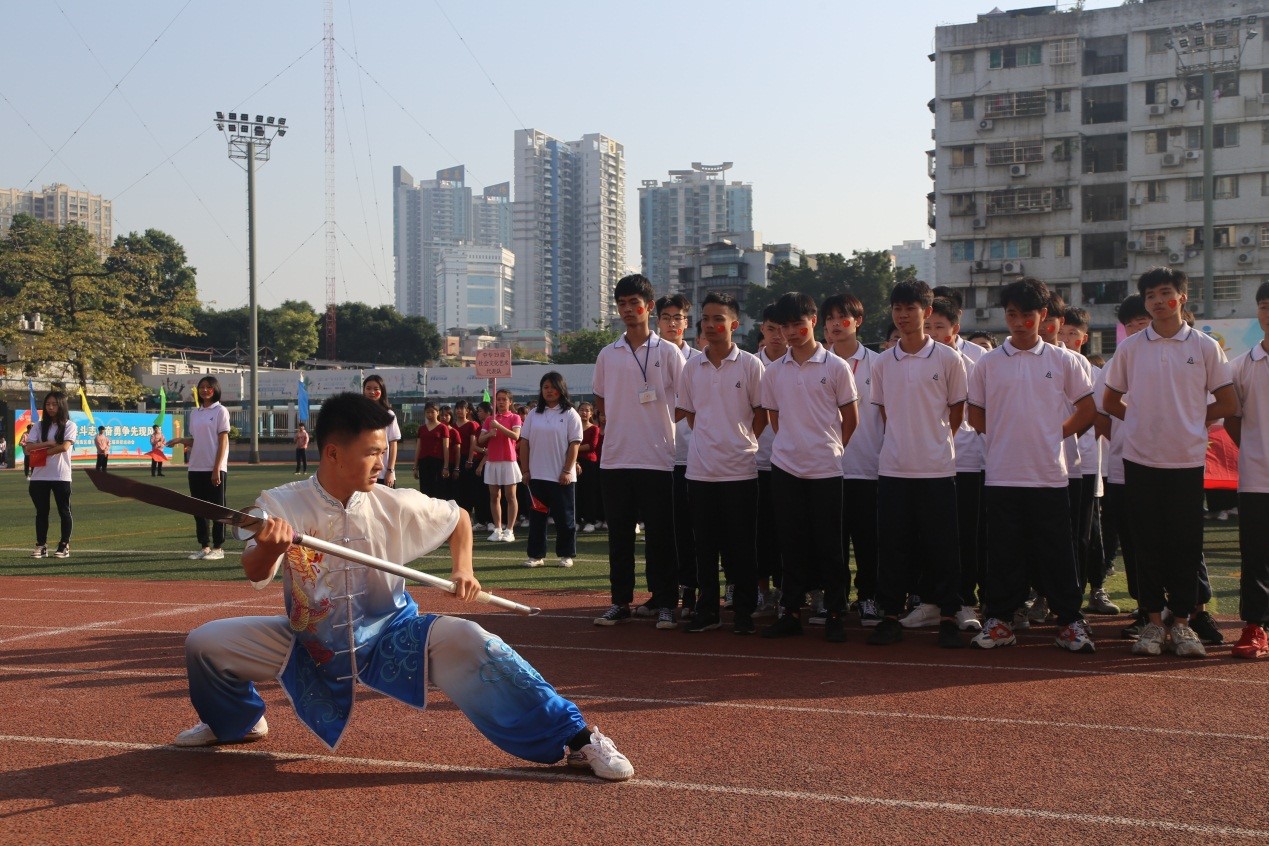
(158, 421)
(485, 396)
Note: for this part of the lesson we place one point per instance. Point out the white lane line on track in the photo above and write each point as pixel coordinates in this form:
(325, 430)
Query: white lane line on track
(558, 776)
(1141, 670)
(171, 553)
(105, 624)
(747, 706)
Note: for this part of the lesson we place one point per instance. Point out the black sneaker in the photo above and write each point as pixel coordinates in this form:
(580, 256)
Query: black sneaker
(950, 635)
(888, 631)
(614, 615)
(834, 627)
(1205, 627)
(787, 626)
(743, 624)
(1132, 631)
(702, 622)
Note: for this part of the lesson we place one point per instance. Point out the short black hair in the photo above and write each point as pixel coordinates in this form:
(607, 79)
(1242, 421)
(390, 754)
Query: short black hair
(794, 306)
(1156, 276)
(846, 302)
(678, 301)
(723, 299)
(1262, 293)
(101, 429)
(946, 307)
(1076, 317)
(991, 339)
(915, 292)
(634, 285)
(769, 313)
(951, 293)
(1133, 306)
(343, 417)
(1056, 306)
(1026, 294)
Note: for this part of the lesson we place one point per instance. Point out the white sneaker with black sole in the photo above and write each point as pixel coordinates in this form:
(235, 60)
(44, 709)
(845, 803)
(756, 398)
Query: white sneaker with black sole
(601, 757)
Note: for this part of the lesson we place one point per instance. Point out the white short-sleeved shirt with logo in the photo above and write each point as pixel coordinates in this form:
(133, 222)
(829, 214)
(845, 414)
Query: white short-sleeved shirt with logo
(392, 433)
(549, 435)
(57, 468)
(763, 457)
(969, 444)
(1026, 395)
(723, 398)
(1113, 448)
(1165, 425)
(860, 456)
(1251, 382)
(638, 388)
(969, 349)
(682, 431)
(917, 390)
(808, 397)
(206, 425)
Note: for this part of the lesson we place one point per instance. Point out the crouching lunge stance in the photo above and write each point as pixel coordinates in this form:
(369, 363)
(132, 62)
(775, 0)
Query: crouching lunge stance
(348, 623)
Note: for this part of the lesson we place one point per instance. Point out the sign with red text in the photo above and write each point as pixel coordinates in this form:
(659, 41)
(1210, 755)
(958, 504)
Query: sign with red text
(493, 363)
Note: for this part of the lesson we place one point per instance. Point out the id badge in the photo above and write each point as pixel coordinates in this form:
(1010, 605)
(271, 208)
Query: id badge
(648, 394)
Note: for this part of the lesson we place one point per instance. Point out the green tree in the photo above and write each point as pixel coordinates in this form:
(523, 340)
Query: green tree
(382, 335)
(583, 346)
(290, 330)
(164, 279)
(99, 317)
(868, 274)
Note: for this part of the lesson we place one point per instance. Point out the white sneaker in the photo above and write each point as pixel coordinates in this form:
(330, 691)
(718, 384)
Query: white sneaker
(533, 562)
(202, 553)
(1184, 642)
(508, 536)
(1151, 640)
(493, 527)
(967, 619)
(202, 735)
(638, 528)
(495, 535)
(925, 614)
(1038, 613)
(601, 757)
(214, 555)
(565, 563)
(589, 527)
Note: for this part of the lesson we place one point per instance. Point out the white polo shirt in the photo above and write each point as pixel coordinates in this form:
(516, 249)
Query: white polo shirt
(1113, 448)
(1074, 449)
(723, 399)
(917, 391)
(639, 435)
(57, 468)
(1165, 426)
(682, 431)
(859, 457)
(1251, 382)
(808, 397)
(1025, 395)
(392, 433)
(206, 425)
(969, 444)
(549, 435)
(969, 349)
(1089, 442)
(763, 457)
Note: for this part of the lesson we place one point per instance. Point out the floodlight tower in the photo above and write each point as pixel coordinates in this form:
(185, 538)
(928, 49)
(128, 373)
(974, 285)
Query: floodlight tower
(251, 141)
(1208, 48)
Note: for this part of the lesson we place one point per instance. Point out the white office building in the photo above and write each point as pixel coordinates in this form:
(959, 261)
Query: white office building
(916, 255)
(1069, 147)
(474, 286)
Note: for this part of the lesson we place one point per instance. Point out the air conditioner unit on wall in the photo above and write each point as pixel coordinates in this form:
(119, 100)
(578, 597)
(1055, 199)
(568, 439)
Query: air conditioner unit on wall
(1011, 268)
(980, 223)
(1134, 201)
(980, 265)
(1176, 258)
(1191, 155)
(982, 313)
(1171, 160)
(1246, 258)
(1017, 170)
(986, 125)
(1134, 246)
(1176, 103)
(1246, 241)
(1157, 109)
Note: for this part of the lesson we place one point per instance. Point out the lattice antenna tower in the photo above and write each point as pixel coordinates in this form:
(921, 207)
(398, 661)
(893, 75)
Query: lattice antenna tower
(328, 39)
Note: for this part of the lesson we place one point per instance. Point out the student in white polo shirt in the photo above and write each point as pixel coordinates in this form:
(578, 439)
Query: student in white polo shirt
(944, 326)
(635, 382)
(672, 316)
(843, 316)
(720, 397)
(1018, 396)
(1250, 430)
(919, 385)
(770, 569)
(968, 349)
(813, 394)
(1169, 368)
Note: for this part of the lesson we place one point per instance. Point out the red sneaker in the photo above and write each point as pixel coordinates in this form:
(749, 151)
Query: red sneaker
(1252, 644)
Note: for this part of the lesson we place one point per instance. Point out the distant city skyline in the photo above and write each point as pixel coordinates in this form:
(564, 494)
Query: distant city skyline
(825, 119)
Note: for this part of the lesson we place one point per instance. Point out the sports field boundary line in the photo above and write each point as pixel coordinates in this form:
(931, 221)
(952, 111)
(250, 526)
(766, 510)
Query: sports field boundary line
(182, 608)
(959, 808)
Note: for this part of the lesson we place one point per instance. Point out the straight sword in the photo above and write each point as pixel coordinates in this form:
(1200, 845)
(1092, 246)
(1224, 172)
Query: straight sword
(246, 523)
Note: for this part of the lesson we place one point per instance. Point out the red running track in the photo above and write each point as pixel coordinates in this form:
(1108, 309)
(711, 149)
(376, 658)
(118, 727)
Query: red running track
(733, 739)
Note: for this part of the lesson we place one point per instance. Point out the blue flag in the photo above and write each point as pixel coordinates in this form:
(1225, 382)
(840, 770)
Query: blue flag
(301, 400)
(35, 408)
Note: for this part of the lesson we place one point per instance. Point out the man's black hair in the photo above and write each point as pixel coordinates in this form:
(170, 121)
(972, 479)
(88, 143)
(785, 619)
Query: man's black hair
(845, 303)
(678, 301)
(794, 306)
(768, 313)
(951, 293)
(1156, 276)
(1133, 306)
(634, 285)
(1027, 294)
(1076, 317)
(915, 292)
(343, 417)
(1056, 306)
(723, 299)
(1262, 293)
(946, 308)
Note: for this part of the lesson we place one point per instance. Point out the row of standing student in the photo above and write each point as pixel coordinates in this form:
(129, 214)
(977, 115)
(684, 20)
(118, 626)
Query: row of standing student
(1027, 405)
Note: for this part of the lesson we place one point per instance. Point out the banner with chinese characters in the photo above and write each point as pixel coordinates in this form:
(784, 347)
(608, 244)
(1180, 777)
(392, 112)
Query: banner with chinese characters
(129, 435)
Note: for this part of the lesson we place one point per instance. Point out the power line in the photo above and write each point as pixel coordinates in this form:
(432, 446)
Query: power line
(498, 90)
(365, 122)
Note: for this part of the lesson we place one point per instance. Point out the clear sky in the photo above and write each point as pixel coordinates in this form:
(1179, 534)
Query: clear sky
(821, 105)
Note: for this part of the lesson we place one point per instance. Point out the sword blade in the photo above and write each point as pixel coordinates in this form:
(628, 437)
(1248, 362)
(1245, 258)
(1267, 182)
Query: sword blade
(171, 500)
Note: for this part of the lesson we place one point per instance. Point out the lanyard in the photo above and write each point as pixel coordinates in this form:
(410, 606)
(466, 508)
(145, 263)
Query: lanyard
(643, 368)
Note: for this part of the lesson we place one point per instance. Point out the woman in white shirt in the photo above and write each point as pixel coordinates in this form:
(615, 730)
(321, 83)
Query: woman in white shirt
(208, 462)
(49, 444)
(549, 440)
(374, 388)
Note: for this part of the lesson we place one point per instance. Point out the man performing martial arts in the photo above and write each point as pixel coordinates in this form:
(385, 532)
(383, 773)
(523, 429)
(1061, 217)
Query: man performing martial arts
(347, 623)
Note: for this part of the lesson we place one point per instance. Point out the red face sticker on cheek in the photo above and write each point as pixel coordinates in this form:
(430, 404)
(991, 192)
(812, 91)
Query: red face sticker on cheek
(846, 323)
(638, 309)
(1029, 324)
(1172, 303)
(804, 331)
